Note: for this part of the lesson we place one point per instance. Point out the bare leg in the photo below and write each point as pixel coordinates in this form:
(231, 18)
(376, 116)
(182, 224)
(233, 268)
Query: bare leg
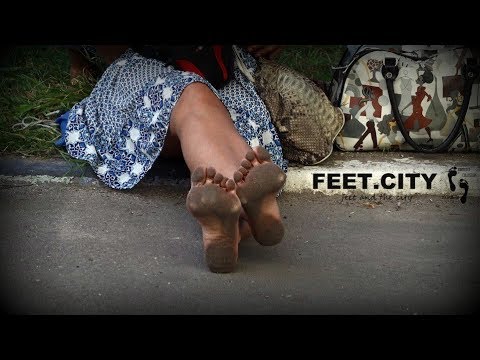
(208, 138)
(172, 150)
(110, 53)
(206, 132)
(79, 65)
(429, 132)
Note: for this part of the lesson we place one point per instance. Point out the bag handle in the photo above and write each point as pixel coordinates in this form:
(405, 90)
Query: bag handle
(470, 71)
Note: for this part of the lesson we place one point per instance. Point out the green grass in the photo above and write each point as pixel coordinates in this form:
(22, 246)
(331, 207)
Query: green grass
(35, 81)
(313, 61)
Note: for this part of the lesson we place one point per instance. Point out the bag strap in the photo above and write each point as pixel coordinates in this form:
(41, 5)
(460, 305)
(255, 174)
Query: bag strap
(470, 71)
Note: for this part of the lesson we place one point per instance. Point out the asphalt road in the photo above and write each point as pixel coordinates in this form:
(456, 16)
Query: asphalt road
(84, 249)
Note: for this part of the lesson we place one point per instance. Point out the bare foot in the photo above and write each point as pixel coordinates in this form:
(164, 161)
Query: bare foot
(215, 205)
(79, 66)
(77, 73)
(245, 230)
(258, 182)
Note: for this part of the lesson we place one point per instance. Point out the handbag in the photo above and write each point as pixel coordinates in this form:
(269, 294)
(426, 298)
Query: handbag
(305, 119)
(421, 98)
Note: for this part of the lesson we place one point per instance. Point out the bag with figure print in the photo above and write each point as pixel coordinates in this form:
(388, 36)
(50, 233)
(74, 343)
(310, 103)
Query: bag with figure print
(423, 98)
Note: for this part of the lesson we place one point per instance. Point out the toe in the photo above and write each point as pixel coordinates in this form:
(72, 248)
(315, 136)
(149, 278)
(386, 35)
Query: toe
(246, 164)
(198, 176)
(250, 156)
(262, 154)
(237, 176)
(243, 171)
(230, 185)
(223, 183)
(211, 173)
(217, 179)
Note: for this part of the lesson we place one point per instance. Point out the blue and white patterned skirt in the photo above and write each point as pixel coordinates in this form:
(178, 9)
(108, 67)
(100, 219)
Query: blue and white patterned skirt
(121, 127)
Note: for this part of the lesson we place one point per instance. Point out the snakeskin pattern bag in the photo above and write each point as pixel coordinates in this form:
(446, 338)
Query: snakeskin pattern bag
(305, 119)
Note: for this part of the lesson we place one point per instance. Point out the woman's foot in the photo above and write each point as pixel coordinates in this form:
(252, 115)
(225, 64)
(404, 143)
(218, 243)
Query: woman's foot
(79, 66)
(215, 205)
(259, 181)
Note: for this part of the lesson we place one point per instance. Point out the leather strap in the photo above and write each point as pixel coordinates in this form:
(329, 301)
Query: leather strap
(470, 70)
